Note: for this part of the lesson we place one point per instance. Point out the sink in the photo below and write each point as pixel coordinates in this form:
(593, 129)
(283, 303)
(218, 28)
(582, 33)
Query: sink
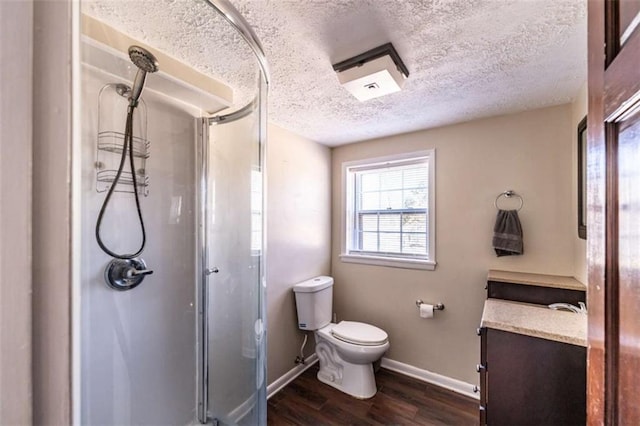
(581, 309)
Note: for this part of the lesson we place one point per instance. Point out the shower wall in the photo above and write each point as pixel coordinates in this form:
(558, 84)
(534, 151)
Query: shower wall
(138, 347)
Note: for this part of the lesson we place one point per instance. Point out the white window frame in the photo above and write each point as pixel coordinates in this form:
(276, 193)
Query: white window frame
(348, 193)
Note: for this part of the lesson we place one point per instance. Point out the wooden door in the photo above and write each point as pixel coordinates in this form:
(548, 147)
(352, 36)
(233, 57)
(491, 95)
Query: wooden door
(613, 174)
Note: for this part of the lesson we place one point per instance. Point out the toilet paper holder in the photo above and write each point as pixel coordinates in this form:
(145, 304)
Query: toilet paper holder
(436, 307)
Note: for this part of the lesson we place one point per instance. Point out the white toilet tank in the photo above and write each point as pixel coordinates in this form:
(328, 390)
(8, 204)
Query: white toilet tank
(314, 302)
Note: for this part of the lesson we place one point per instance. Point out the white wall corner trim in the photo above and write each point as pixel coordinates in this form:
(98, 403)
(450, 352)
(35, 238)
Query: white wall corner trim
(449, 383)
(290, 376)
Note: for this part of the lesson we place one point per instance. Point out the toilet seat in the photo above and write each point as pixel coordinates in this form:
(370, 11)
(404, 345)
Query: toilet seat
(359, 333)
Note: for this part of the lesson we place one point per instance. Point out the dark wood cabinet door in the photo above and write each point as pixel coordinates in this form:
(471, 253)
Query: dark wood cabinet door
(482, 370)
(613, 174)
(531, 381)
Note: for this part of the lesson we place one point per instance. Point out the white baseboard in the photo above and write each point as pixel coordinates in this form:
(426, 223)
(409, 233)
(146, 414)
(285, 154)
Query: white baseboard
(240, 411)
(290, 375)
(452, 384)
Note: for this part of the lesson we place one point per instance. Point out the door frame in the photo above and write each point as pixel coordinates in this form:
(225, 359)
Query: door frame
(614, 78)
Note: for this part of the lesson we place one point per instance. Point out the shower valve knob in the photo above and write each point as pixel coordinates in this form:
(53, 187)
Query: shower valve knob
(125, 274)
(133, 272)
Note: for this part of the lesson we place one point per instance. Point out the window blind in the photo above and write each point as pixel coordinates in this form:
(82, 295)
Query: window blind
(391, 209)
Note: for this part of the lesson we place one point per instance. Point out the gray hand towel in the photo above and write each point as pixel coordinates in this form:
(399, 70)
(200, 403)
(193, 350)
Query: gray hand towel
(507, 234)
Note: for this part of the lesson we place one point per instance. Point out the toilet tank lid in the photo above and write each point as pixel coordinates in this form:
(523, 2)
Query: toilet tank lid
(313, 285)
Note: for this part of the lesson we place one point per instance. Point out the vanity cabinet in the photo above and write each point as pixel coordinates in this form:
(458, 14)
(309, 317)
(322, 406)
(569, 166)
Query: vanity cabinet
(532, 359)
(527, 380)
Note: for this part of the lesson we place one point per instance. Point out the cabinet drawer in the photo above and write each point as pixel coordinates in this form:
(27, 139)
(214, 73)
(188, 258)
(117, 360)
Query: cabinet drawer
(533, 294)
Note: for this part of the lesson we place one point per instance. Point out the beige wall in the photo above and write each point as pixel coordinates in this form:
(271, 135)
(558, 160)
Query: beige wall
(16, 25)
(528, 152)
(298, 236)
(35, 377)
(578, 111)
(52, 213)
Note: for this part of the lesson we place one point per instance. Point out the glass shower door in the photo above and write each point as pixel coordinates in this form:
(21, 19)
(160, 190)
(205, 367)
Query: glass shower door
(234, 389)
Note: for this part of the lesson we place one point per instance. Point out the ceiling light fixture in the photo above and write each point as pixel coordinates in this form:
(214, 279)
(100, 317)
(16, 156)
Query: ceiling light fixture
(374, 73)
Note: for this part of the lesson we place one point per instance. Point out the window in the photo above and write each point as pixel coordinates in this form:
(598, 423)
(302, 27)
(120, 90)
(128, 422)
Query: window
(256, 211)
(389, 217)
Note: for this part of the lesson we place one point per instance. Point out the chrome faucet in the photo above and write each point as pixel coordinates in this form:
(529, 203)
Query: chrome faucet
(580, 309)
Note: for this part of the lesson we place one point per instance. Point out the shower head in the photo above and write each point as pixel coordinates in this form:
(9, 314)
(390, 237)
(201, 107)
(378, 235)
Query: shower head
(146, 62)
(143, 59)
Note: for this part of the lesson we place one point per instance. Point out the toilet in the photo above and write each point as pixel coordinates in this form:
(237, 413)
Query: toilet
(346, 350)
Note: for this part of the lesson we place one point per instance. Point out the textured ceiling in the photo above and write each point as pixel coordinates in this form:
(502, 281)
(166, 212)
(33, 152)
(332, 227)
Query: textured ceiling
(467, 58)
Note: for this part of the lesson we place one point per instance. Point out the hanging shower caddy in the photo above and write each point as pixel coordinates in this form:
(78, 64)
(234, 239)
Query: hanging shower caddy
(112, 106)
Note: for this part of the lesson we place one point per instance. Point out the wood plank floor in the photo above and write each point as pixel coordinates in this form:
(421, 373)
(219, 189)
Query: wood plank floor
(400, 400)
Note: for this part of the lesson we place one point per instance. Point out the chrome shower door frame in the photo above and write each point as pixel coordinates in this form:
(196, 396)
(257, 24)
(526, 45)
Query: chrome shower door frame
(203, 240)
(202, 349)
(237, 21)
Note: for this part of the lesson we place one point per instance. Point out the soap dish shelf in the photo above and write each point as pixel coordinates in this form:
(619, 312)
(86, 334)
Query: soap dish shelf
(106, 178)
(112, 99)
(112, 141)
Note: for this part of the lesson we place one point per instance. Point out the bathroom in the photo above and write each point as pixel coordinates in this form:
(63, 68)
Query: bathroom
(90, 354)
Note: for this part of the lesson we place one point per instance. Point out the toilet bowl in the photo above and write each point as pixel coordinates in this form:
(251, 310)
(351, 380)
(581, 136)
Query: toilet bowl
(346, 358)
(346, 350)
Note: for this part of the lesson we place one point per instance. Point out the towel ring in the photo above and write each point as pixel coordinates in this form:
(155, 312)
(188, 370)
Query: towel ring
(509, 194)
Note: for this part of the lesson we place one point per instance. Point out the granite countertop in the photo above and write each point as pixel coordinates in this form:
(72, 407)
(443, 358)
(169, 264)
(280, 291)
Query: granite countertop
(535, 321)
(541, 280)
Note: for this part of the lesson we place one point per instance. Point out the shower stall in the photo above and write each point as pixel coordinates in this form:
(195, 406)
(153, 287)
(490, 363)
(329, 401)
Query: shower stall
(176, 335)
